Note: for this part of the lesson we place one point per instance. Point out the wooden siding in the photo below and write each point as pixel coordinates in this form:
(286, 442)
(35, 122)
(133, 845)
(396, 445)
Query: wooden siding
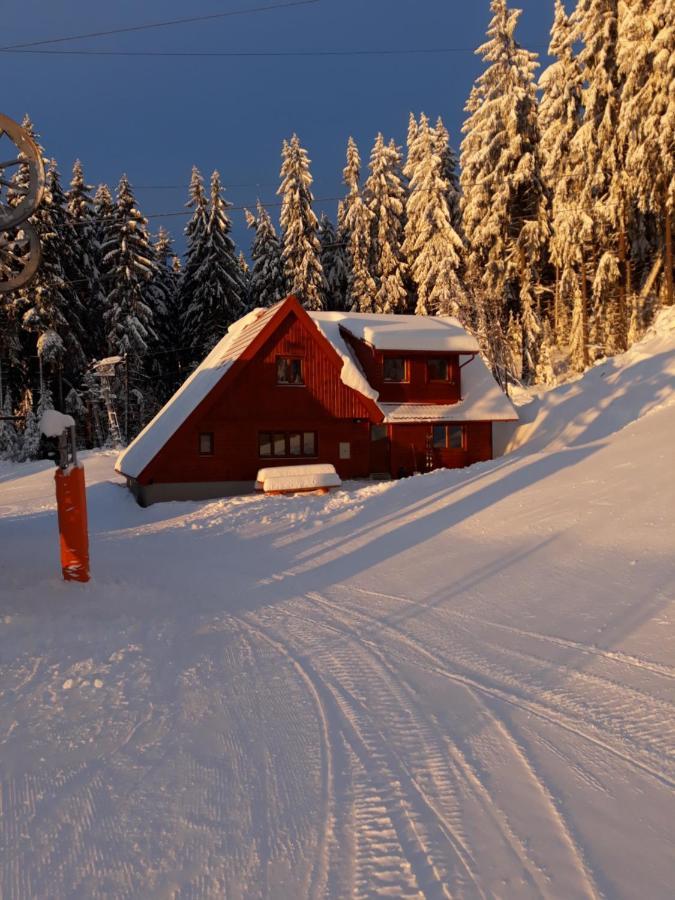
(409, 443)
(418, 388)
(251, 402)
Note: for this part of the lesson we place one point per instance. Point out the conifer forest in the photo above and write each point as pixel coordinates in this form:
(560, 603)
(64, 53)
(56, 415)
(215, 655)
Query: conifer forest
(546, 227)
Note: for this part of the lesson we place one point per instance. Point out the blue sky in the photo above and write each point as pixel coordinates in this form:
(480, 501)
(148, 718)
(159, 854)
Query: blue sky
(154, 117)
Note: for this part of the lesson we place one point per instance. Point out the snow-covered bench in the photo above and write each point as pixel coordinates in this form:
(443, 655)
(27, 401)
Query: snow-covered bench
(293, 479)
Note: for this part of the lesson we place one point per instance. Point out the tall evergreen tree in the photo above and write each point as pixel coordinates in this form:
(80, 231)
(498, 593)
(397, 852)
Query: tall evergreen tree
(431, 243)
(599, 147)
(168, 317)
(267, 275)
(300, 244)
(80, 206)
(219, 293)
(335, 264)
(104, 214)
(357, 223)
(503, 202)
(385, 196)
(449, 168)
(128, 257)
(9, 442)
(647, 117)
(50, 300)
(560, 117)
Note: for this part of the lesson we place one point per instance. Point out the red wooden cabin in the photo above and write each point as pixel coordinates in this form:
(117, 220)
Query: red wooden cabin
(375, 395)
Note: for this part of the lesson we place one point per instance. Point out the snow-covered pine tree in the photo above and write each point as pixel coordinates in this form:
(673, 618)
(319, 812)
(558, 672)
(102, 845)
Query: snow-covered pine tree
(129, 260)
(80, 206)
(30, 437)
(450, 165)
(335, 264)
(218, 295)
(559, 118)
(599, 147)
(168, 318)
(9, 441)
(412, 149)
(503, 200)
(50, 300)
(646, 62)
(357, 223)
(385, 196)
(104, 213)
(431, 244)
(267, 284)
(195, 240)
(300, 244)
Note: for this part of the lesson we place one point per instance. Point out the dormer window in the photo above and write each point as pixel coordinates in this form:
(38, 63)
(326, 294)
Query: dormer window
(289, 370)
(438, 369)
(394, 369)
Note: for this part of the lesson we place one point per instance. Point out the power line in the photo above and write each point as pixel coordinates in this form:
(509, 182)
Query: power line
(191, 54)
(162, 24)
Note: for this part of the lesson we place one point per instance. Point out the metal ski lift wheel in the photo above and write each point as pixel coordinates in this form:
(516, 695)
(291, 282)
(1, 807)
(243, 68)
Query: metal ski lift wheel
(18, 149)
(19, 256)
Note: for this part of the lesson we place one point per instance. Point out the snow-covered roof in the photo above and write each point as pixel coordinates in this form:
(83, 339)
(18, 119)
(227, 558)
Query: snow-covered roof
(482, 400)
(143, 449)
(435, 334)
(351, 374)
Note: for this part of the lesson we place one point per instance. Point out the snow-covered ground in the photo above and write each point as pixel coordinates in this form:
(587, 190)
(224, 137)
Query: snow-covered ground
(456, 685)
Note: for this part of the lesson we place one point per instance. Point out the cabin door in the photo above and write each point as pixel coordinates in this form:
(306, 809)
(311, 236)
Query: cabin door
(380, 450)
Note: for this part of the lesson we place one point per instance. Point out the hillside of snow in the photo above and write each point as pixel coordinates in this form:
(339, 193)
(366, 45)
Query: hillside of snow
(460, 684)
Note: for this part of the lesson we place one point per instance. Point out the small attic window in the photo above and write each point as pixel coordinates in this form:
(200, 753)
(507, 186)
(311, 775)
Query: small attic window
(206, 443)
(394, 369)
(289, 370)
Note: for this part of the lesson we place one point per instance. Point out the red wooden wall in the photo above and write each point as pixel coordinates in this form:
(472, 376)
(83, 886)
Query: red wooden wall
(408, 448)
(252, 402)
(418, 389)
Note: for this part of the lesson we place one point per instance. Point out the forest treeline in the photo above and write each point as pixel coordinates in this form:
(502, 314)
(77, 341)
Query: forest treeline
(549, 235)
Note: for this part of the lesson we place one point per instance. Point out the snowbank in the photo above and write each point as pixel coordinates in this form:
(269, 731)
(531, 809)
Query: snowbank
(615, 392)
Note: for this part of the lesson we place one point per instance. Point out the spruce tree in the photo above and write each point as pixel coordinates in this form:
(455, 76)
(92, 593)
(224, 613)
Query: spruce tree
(647, 117)
(449, 167)
(168, 318)
(431, 244)
(560, 117)
(50, 300)
(385, 196)
(335, 264)
(9, 442)
(218, 296)
(503, 202)
(300, 244)
(599, 146)
(267, 285)
(129, 260)
(357, 223)
(195, 251)
(80, 206)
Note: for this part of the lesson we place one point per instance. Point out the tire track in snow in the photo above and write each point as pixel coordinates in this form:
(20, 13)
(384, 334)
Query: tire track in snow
(394, 858)
(616, 656)
(471, 777)
(647, 723)
(453, 759)
(437, 667)
(502, 693)
(319, 875)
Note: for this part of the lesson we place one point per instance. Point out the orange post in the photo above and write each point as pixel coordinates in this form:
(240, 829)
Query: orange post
(71, 502)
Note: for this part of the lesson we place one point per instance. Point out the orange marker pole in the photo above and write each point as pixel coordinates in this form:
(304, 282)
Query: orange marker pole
(71, 502)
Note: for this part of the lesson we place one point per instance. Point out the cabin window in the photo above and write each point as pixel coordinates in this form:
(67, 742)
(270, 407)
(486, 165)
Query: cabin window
(438, 370)
(378, 432)
(289, 370)
(206, 443)
(284, 444)
(451, 437)
(439, 437)
(394, 368)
